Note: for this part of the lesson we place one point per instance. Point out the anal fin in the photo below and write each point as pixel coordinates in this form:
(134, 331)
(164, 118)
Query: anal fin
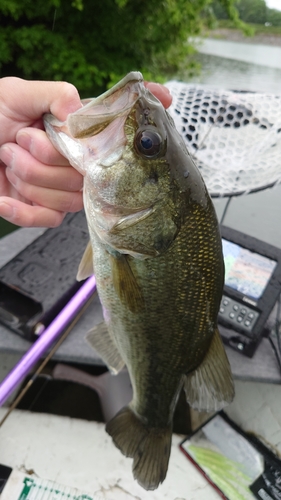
(100, 339)
(210, 387)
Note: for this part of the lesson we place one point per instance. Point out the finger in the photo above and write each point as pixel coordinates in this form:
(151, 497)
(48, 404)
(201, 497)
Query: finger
(28, 169)
(56, 199)
(161, 92)
(24, 215)
(37, 143)
(31, 99)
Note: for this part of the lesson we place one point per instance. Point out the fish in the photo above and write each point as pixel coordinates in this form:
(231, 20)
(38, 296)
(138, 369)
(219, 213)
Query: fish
(155, 249)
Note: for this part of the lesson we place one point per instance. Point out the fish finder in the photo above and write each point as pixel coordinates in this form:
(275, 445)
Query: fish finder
(252, 287)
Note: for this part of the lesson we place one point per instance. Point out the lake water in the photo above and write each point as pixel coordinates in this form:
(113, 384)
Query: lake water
(239, 66)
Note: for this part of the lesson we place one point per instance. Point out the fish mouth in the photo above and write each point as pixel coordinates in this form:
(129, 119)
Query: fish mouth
(96, 114)
(95, 132)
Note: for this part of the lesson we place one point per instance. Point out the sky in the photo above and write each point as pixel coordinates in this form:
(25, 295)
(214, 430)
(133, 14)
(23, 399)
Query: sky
(273, 4)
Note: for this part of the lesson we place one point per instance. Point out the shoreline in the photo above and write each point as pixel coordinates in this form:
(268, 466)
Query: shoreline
(235, 35)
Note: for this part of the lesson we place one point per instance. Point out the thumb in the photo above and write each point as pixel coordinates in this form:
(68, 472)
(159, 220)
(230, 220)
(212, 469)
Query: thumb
(31, 99)
(62, 99)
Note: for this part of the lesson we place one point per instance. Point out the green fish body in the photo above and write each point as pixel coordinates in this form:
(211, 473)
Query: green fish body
(157, 257)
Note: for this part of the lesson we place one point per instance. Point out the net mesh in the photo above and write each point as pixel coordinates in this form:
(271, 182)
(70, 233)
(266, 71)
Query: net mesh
(235, 137)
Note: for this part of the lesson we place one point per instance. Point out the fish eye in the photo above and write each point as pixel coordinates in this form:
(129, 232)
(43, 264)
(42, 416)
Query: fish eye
(148, 143)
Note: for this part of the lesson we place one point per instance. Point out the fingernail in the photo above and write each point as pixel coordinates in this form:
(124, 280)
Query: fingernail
(6, 211)
(7, 156)
(24, 140)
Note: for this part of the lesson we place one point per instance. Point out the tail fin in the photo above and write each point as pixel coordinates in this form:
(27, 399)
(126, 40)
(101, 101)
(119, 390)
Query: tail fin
(149, 447)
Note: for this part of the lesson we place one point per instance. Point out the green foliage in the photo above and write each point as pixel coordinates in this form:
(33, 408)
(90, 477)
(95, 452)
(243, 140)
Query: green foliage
(224, 10)
(252, 11)
(274, 17)
(6, 227)
(249, 11)
(93, 43)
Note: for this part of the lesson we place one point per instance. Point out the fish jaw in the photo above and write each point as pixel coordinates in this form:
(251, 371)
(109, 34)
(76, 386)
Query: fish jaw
(80, 137)
(66, 145)
(99, 112)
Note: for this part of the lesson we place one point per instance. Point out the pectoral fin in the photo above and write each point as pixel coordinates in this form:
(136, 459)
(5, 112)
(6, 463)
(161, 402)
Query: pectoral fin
(126, 284)
(100, 339)
(86, 266)
(210, 387)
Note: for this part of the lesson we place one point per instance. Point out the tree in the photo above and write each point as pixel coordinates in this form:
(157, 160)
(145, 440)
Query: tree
(274, 17)
(92, 42)
(252, 11)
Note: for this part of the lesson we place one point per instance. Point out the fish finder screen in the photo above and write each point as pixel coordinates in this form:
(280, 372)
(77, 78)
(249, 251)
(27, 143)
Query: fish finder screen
(245, 271)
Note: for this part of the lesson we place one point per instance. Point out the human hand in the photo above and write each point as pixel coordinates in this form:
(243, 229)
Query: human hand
(161, 92)
(37, 185)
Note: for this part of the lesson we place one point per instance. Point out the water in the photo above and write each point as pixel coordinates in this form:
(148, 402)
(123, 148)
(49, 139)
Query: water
(255, 54)
(239, 66)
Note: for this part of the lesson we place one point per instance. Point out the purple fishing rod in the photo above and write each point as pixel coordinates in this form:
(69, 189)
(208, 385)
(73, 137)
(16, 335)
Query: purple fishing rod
(46, 339)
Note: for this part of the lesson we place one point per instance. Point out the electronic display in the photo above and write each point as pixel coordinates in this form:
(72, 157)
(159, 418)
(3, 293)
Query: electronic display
(251, 288)
(246, 271)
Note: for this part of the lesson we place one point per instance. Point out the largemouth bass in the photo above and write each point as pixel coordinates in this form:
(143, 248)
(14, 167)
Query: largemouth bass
(157, 257)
